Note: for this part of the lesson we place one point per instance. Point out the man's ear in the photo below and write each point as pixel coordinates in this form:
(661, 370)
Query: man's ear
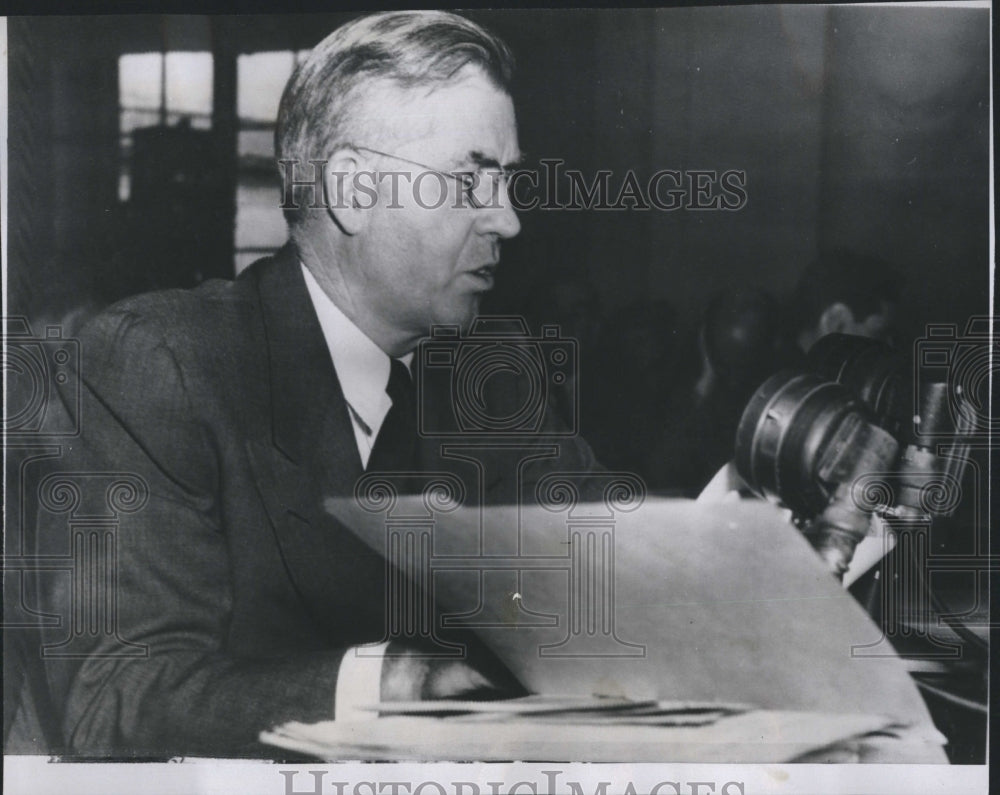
(351, 190)
(836, 319)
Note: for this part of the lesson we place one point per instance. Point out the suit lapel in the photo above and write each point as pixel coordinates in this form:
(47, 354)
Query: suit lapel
(312, 453)
(309, 419)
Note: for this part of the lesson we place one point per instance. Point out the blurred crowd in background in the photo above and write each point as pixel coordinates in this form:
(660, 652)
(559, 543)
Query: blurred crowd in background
(663, 400)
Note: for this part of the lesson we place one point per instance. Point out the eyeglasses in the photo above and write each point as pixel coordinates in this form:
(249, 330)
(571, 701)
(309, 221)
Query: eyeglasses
(481, 187)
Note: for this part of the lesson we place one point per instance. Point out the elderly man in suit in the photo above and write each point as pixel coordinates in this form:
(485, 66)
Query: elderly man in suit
(243, 405)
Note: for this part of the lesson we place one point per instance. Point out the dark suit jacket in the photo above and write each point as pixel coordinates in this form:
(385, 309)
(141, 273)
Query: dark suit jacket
(224, 401)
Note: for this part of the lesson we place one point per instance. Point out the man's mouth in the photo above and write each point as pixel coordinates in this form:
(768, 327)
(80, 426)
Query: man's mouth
(485, 275)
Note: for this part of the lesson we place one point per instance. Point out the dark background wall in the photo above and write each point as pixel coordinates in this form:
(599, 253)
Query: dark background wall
(865, 126)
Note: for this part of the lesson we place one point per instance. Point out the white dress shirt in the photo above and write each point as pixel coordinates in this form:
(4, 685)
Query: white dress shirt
(362, 368)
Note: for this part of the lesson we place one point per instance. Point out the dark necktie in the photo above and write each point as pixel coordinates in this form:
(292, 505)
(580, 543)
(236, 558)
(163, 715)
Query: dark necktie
(395, 448)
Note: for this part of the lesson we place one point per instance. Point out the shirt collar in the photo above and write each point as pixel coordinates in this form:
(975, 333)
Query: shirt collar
(362, 366)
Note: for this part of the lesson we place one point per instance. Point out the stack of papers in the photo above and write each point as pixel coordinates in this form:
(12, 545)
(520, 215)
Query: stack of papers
(568, 709)
(543, 729)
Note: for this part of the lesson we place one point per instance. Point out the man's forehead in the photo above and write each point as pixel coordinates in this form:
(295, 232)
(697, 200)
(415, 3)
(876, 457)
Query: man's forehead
(467, 120)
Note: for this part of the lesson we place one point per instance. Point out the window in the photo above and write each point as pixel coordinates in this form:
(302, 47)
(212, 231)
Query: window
(176, 88)
(161, 88)
(260, 225)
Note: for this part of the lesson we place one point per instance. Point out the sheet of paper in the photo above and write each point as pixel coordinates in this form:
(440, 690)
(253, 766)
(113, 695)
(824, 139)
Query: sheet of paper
(674, 600)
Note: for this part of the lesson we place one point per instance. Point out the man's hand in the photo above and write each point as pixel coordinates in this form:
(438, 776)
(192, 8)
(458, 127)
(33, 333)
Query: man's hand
(408, 674)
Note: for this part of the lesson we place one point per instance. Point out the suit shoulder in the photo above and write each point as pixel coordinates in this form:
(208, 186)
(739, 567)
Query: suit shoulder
(179, 319)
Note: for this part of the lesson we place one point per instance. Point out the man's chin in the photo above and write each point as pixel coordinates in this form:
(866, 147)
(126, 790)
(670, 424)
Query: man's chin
(463, 315)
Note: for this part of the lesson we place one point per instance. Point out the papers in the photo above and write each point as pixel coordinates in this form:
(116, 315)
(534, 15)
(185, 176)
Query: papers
(646, 634)
(752, 737)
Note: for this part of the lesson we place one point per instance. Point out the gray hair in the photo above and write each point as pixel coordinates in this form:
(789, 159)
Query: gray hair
(410, 49)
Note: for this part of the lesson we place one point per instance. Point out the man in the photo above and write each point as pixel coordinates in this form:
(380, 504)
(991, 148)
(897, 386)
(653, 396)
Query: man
(243, 406)
(844, 292)
(740, 343)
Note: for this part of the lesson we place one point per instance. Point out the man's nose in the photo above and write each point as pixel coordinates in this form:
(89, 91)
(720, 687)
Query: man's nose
(499, 217)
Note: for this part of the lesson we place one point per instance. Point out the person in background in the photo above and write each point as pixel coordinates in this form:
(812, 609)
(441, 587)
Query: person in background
(845, 292)
(741, 341)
